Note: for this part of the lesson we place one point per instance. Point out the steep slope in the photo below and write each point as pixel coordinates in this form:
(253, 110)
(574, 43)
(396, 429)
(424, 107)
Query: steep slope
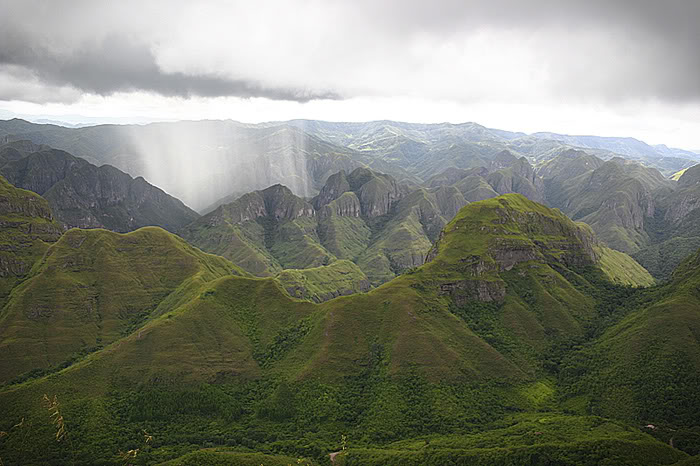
(27, 228)
(364, 217)
(646, 367)
(83, 195)
(93, 287)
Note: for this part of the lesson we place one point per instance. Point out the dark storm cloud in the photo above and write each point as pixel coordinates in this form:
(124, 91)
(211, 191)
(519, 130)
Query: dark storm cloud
(594, 49)
(119, 63)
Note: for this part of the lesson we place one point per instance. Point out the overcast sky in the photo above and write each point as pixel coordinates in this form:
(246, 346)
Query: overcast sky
(605, 67)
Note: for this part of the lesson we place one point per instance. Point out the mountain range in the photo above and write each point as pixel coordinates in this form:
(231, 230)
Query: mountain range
(86, 196)
(391, 293)
(201, 162)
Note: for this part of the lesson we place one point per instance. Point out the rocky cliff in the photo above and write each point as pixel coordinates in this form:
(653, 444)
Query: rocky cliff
(86, 196)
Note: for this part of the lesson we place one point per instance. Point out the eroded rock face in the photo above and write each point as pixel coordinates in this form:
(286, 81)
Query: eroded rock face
(375, 193)
(683, 204)
(469, 290)
(377, 196)
(347, 205)
(686, 198)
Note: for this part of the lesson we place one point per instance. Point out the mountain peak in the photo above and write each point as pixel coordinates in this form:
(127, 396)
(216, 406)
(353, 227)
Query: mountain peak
(495, 235)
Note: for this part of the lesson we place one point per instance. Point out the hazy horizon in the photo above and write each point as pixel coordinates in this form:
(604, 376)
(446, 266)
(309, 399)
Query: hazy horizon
(75, 121)
(608, 68)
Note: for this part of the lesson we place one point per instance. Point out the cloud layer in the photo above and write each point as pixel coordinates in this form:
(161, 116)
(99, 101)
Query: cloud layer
(467, 51)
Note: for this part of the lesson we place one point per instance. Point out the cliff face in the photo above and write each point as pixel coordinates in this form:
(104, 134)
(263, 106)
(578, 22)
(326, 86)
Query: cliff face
(86, 196)
(363, 217)
(276, 202)
(376, 193)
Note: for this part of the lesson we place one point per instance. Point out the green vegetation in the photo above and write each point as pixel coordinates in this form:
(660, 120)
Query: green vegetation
(543, 438)
(363, 217)
(320, 284)
(661, 259)
(232, 458)
(93, 287)
(510, 345)
(622, 269)
(27, 230)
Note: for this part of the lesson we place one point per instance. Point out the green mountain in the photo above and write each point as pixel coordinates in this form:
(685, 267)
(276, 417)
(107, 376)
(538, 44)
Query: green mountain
(504, 173)
(645, 366)
(86, 196)
(462, 352)
(27, 229)
(94, 287)
(262, 232)
(202, 162)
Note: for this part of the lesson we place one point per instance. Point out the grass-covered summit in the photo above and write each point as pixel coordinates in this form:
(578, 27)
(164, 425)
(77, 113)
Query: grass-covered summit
(93, 287)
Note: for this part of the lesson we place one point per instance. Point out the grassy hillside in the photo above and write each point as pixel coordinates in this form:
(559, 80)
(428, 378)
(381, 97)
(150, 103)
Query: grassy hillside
(320, 284)
(623, 269)
(646, 365)
(92, 288)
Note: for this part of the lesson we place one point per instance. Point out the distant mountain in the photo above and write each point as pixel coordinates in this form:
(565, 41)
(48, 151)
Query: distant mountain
(616, 197)
(503, 174)
(675, 229)
(83, 195)
(202, 162)
(660, 156)
(364, 217)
